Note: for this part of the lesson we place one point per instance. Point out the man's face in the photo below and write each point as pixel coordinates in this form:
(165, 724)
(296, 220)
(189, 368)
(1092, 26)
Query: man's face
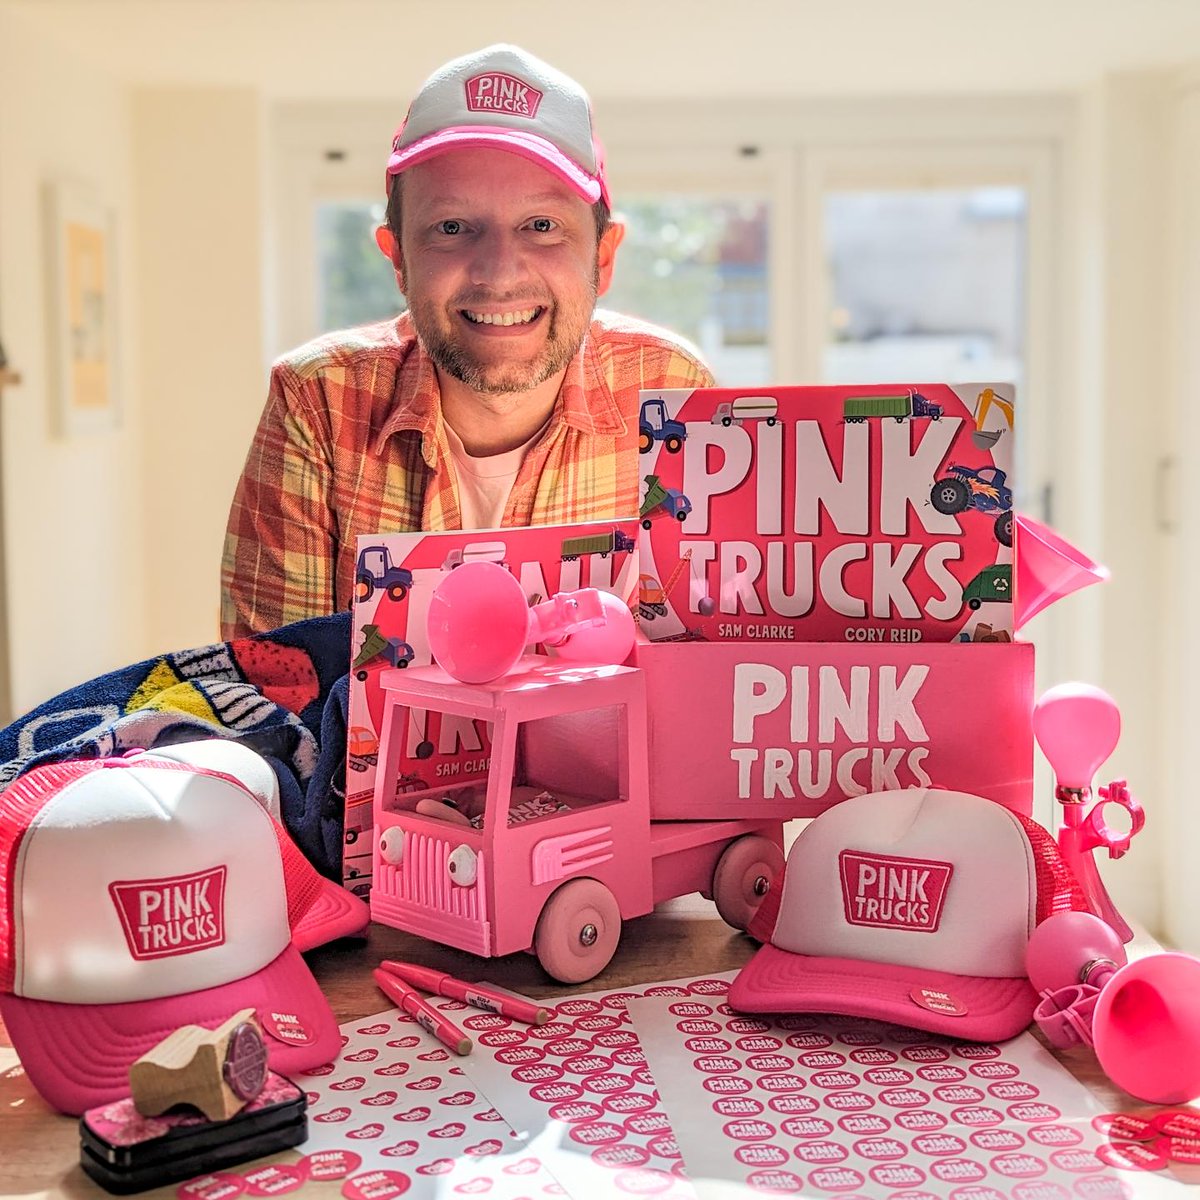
(501, 268)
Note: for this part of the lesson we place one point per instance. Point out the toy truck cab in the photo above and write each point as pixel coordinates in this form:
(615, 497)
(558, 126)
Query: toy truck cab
(655, 426)
(555, 848)
(375, 570)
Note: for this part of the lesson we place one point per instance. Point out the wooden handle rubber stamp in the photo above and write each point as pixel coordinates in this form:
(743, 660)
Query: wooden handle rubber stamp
(218, 1071)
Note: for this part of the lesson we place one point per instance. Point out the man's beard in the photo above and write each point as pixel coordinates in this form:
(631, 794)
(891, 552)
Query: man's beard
(566, 330)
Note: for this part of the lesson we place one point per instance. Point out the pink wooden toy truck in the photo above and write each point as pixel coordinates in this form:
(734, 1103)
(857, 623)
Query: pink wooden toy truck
(557, 847)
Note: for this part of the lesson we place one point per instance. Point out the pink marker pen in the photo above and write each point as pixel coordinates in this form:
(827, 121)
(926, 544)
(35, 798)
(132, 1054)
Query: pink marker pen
(432, 1021)
(478, 995)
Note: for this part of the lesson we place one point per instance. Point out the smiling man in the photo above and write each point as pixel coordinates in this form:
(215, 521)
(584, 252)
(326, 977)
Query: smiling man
(502, 397)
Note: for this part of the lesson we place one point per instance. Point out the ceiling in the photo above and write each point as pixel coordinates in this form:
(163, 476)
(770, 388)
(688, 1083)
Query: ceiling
(356, 49)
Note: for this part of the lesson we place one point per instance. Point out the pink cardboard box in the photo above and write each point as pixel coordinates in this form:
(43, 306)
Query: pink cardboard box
(786, 729)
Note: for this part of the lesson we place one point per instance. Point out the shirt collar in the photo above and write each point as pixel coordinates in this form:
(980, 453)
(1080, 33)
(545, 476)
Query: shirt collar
(585, 399)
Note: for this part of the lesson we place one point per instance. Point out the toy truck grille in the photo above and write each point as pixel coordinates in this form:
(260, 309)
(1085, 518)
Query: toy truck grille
(418, 895)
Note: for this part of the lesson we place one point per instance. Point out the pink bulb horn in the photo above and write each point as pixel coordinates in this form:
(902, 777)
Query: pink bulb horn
(1048, 567)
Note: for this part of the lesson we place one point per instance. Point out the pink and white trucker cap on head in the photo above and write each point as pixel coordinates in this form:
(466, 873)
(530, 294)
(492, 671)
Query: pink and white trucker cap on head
(319, 910)
(913, 907)
(508, 99)
(136, 899)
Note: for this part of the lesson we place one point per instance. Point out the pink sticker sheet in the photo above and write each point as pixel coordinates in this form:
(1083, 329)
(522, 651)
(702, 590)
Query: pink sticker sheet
(579, 1090)
(397, 1103)
(818, 1105)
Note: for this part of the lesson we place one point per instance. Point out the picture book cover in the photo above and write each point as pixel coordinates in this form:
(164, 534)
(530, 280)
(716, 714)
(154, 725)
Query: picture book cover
(395, 577)
(871, 513)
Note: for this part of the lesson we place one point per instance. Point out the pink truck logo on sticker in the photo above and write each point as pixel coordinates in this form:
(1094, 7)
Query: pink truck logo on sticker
(886, 892)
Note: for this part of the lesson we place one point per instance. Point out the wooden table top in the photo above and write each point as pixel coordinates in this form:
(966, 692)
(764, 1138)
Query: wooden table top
(39, 1149)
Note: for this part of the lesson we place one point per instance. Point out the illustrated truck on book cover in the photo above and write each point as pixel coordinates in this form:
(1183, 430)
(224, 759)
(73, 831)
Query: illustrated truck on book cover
(905, 406)
(556, 847)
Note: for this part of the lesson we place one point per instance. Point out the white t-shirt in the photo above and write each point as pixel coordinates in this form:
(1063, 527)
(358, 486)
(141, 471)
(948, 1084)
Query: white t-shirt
(485, 483)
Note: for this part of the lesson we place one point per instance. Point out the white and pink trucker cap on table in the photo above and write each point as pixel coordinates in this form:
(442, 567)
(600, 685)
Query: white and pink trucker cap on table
(134, 899)
(319, 910)
(913, 907)
(505, 98)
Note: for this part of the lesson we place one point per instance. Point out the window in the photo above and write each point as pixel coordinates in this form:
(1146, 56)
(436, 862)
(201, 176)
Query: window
(355, 283)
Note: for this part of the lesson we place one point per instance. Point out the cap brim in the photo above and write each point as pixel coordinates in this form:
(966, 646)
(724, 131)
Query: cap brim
(334, 913)
(527, 145)
(79, 1055)
(777, 981)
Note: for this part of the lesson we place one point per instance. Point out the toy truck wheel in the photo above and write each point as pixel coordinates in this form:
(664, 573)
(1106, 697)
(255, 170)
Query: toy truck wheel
(397, 592)
(673, 444)
(578, 931)
(645, 441)
(363, 587)
(744, 874)
(1004, 524)
(950, 496)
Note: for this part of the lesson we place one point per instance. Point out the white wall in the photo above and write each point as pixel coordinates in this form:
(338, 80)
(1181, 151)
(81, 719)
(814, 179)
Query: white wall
(198, 155)
(74, 524)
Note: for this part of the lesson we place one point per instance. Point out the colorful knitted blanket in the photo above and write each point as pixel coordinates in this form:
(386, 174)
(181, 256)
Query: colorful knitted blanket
(282, 694)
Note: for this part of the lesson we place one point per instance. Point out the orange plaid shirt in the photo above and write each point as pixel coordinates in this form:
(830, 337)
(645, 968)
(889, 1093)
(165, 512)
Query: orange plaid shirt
(352, 442)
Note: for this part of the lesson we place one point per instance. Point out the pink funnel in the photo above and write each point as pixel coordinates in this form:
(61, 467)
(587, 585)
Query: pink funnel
(1048, 568)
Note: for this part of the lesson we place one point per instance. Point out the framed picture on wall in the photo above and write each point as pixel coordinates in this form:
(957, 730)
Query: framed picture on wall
(81, 259)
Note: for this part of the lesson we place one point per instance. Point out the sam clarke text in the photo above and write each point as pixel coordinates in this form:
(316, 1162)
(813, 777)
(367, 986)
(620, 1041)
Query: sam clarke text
(821, 709)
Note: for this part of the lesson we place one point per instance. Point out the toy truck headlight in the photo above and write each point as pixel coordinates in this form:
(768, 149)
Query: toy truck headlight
(463, 866)
(391, 845)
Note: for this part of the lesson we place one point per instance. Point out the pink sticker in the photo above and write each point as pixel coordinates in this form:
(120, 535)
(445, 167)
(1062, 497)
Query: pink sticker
(369, 1055)
(484, 1148)
(420, 1113)
(958, 1093)
(333, 1115)
(905, 1097)
(832, 1080)
(934, 1000)
(217, 1186)
(784, 1082)
(439, 1166)
(1034, 1111)
(958, 1170)
(849, 1101)
(551, 1093)
(329, 1164)
(1130, 1156)
(809, 1041)
(543, 1072)
(1103, 1187)
(1177, 1123)
(273, 1180)
(438, 1055)
(794, 1105)
(643, 1181)
(880, 1149)
(1076, 1160)
(888, 1076)
(1018, 1165)
(374, 1030)
(624, 1103)
(942, 1073)
(749, 1130)
(761, 1154)
(617, 1000)
(1015, 1089)
(381, 1099)
(452, 1129)
(925, 1054)
(563, 1047)
(393, 1069)
(665, 1146)
(287, 1028)
(709, 987)
(978, 1115)
(1041, 1190)
(864, 1123)
(938, 1145)
(549, 1032)
(994, 1070)
(994, 1140)
(1184, 1151)
(766, 1063)
(817, 1154)
(474, 1187)
(348, 1085)
(897, 1175)
(625, 1155)
(690, 1008)
(577, 1008)
(1057, 1135)
(807, 1127)
(588, 1064)
(495, 1038)
(425, 1084)
(760, 1043)
(836, 1179)
(921, 1121)
(524, 1166)
(777, 1182)
(977, 1050)
(576, 1111)
(520, 1056)
(457, 1099)
(597, 1133)
(366, 1132)
(873, 1057)
(1126, 1127)
(376, 1185)
(606, 1083)
(400, 1149)
(648, 1123)
(405, 1043)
